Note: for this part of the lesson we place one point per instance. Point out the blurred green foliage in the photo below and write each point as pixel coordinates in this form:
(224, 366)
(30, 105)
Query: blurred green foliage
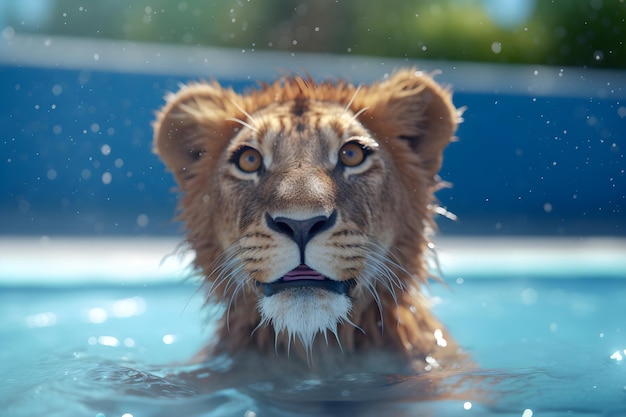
(555, 32)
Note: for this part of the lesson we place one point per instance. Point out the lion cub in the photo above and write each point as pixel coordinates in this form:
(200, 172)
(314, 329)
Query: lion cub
(309, 206)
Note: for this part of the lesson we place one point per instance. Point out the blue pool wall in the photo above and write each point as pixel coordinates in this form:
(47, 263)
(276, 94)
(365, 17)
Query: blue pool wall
(76, 158)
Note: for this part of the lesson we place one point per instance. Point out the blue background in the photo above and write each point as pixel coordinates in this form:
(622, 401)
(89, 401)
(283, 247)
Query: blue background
(523, 165)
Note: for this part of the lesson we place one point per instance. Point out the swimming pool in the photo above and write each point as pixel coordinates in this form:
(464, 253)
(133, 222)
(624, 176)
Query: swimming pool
(96, 319)
(546, 326)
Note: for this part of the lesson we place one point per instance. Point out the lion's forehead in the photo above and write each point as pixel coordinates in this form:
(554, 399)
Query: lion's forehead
(315, 130)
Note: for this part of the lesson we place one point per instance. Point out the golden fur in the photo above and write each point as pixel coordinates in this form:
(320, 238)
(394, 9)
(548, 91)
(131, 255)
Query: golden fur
(383, 212)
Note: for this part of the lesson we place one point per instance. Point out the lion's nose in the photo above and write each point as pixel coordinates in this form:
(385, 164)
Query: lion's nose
(301, 231)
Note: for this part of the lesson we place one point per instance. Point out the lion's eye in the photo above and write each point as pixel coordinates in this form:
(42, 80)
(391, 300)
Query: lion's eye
(248, 160)
(352, 154)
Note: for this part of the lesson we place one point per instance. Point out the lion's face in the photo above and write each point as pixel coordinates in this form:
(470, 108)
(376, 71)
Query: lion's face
(308, 187)
(310, 199)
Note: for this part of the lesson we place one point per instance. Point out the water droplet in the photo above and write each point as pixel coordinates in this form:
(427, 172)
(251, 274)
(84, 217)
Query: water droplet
(496, 47)
(97, 315)
(142, 220)
(592, 120)
(85, 174)
(111, 341)
(528, 296)
(547, 207)
(129, 307)
(8, 33)
(46, 319)
(106, 178)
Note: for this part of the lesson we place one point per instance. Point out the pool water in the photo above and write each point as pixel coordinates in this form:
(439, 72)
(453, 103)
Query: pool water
(546, 347)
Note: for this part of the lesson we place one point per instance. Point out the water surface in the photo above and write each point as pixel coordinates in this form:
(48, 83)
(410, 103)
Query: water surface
(546, 347)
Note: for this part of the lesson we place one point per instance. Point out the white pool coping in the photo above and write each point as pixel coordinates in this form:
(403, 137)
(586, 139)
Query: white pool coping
(69, 261)
(224, 64)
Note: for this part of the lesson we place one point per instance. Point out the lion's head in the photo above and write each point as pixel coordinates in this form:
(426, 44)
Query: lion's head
(310, 201)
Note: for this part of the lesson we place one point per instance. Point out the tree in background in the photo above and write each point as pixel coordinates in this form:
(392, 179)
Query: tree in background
(558, 32)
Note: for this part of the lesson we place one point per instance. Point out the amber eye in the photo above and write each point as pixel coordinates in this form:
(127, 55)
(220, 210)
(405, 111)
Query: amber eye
(352, 154)
(248, 160)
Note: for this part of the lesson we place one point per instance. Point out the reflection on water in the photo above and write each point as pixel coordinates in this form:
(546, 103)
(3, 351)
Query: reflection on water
(89, 385)
(557, 350)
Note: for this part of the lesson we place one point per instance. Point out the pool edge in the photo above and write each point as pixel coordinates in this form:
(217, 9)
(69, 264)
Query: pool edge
(63, 261)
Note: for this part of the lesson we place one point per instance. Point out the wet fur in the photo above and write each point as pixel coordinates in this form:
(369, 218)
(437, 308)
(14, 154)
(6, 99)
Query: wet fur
(384, 213)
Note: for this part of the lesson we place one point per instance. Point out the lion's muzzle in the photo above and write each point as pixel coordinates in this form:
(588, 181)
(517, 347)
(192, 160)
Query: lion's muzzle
(301, 231)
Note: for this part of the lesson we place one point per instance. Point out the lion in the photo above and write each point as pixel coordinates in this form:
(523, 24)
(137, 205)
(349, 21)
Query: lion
(309, 206)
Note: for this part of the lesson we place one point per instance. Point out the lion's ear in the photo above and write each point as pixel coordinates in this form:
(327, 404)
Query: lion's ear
(194, 125)
(411, 106)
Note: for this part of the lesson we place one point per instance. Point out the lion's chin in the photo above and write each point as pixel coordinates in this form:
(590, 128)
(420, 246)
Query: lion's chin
(303, 312)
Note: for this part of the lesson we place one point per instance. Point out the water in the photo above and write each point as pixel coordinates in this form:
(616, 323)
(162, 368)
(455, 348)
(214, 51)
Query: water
(546, 347)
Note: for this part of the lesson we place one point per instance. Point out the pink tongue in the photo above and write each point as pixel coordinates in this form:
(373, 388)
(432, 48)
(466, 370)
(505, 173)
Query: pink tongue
(303, 272)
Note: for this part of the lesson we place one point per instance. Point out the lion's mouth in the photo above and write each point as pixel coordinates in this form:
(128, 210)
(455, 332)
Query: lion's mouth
(305, 277)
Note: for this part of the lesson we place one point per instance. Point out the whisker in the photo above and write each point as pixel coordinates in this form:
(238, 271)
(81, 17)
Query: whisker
(233, 298)
(235, 272)
(357, 114)
(240, 285)
(195, 294)
(241, 122)
(261, 323)
(387, 277)
(231, 301)
(350, 322)
(237, 279)
(289, 336)
(381, 272)
(224, 276)
(334, 331)
(369, 286)
(390, 259)
(223, 265)
(345, 110)
(248, 115)
(229, 276)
